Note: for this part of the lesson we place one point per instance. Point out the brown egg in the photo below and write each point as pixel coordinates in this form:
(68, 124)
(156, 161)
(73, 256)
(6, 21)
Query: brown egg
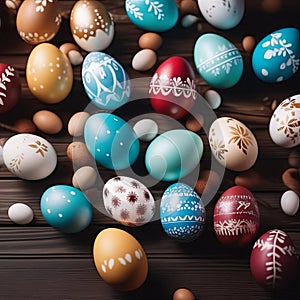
(24, 126)
(47, 122)
(183, 294)
(208, 182)
(150, 40)
(77, 122)
(248, 43)
(250, 179)
(189, 7)
(79, 154)
(38, 21)
(194, 123)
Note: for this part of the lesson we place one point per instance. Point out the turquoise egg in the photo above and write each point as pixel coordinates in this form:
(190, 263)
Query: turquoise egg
(173, 154)
(111, 141)
(182, 212)
(66, 208)
(276, 57)
(152, 15)
(218, 61)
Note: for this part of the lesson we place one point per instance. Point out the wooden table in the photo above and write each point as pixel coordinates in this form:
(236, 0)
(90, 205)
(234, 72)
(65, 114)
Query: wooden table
(38, 262)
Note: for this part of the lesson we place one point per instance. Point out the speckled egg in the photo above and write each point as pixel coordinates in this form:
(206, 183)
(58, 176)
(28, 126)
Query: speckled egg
(105, 80)
(276, 56)
(182, 212)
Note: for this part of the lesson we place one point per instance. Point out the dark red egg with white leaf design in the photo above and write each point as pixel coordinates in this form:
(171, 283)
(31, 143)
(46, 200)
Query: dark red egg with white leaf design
(172, 88)
(236, 217)
(10, 88)
(273, 260)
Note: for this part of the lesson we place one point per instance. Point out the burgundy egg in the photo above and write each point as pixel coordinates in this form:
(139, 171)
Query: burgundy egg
(236, 217)
(172, 88)
(10, 88)
(273, 260)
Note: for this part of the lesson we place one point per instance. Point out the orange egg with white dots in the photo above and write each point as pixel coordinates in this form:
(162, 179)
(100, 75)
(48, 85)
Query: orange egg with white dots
(49, 73)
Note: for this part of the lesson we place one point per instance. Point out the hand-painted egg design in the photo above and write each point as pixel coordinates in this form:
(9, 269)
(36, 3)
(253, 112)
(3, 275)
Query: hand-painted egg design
(29, 156)
(128, 201)
(152, 15)
(91, 25)
(276, 57)
(105, 80)
(236, 217)
(49, 73)
(172, 88)
(120, 259)
(218, 61)
(66, 208)
(273, 260)
(173, 154)
(182, 212)
(223, 14)
(284, 126)
(38, 21)
(10, 88)
(111, 141)
(233, 144)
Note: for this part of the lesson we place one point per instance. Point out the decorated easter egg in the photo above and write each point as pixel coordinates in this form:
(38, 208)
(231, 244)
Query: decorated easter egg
(120, 259)
(91, 25)
(276, 56)
(182, 212)
(273, 260)
(10, 88)
(49, 73)
(173, 154)
(128, 201)
(105, 80)
(172, 88)
(66, 208)
(236, 217)
(111, 141)
(29, 156)
(233, 144)
(284, 126)
(152, 15)
(218, 61)
(38, 21)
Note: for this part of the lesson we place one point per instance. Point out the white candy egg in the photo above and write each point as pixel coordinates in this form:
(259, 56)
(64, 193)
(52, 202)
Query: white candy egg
(289, 202)
(20, 213)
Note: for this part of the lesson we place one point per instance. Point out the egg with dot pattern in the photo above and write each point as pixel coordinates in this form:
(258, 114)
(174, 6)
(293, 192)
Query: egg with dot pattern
(111, 141)
(66, 208)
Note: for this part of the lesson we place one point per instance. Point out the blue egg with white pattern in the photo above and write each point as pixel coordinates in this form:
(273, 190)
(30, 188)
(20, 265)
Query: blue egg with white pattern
(105, 81)
(111, 141)
(276, 56)
(66, 208)
(182, 212)
(152, 15)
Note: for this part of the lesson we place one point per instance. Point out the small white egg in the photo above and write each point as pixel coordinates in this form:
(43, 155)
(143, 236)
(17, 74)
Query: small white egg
(144, 60)
(146, 129)
(213, 98)
(20, 213)
(189, 20)
(84, 178)
(289, 202)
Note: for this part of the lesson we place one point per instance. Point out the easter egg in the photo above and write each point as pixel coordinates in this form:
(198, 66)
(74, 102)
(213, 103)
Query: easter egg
(91, 25)
(120, 259)
(236, 217)
(284, 126)
(49, 73)
(29, 156)
(289, 202)
(128, 201)
(218, 61)
(273, 260)
(66, 208)
(111, 141)
(20, 213)
(182, 212)
(173, 88)
(276, 56)
(152, 15)
(233, 144)
(105, 80)
(173, 154)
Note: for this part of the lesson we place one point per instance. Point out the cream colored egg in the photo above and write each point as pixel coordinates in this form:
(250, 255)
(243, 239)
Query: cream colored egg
(289, 203)
(20, 213)
(77, 122)
(84, 178)
(144, 60)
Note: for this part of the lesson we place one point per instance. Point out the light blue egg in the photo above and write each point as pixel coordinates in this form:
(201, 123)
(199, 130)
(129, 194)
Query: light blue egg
(173, 154)
(152, 15)
(276, 57)
(66, 208)
(111, 141)
(182, 212)
(218, 61)
(105, 81)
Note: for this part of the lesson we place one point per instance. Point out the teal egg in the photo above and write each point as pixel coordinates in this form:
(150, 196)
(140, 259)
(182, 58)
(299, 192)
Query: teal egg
(152, 15)
(218, 61)
(276, 57)
(173, 154)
